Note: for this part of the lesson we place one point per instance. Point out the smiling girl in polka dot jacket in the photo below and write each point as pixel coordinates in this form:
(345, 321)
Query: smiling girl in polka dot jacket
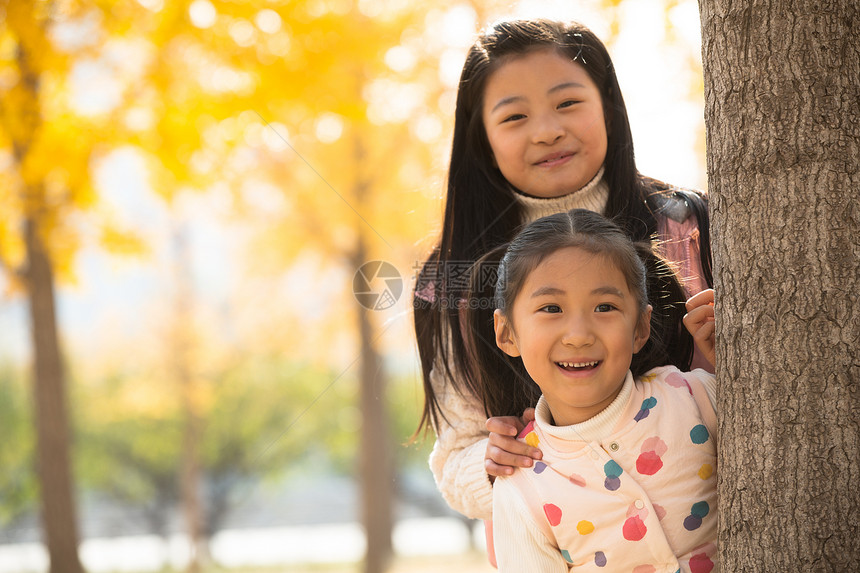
(627, 480)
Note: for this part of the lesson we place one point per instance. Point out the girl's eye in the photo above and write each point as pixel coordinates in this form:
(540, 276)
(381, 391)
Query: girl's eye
(513, 117)
(604, 307)
(551, 308)
(568, 103)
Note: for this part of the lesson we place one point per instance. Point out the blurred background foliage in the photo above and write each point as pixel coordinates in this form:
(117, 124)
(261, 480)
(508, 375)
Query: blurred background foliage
(204, 178)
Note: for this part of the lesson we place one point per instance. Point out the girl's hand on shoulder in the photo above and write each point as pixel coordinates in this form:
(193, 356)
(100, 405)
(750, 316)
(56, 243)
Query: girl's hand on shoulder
(504, 451)
(699, 320)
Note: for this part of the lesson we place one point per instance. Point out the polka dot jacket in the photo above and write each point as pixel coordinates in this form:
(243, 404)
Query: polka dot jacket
(641, 498)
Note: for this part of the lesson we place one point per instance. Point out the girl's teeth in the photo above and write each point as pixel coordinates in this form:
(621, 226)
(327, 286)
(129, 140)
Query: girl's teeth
(577, 364)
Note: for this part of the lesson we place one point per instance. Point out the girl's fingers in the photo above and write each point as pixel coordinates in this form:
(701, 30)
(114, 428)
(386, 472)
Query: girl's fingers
(528, 416)
(702, 311)
(703, 331)
(506, 451)
(508, 467)
(704, 298)
(698, 317)
(705, 340)
(509, 446)
(500, 462)
(505, 425)
(495, 470)
(705, 334)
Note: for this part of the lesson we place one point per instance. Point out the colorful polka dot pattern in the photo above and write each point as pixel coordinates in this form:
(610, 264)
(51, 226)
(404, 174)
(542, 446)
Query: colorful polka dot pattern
(700, 560)
(585, 527)
(699, 434)
(675, 380)
(553, 513)
(697, 513)
(645, 409)
(613, 475)
(634, 526)
(701, 563)
(650, 460)
(634, 529)
(664, 452)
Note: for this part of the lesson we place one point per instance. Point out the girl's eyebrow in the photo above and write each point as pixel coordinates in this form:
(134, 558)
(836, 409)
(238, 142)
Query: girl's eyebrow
(513, 99)
(565, 85)
(611, 290)
(555, 291)
(546, 291)
(506, 101)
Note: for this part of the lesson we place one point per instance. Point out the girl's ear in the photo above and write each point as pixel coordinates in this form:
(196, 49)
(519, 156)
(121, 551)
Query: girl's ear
(504, 334)
(643, 330)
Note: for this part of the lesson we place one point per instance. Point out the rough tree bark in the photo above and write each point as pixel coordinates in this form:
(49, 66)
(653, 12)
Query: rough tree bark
(782, 110)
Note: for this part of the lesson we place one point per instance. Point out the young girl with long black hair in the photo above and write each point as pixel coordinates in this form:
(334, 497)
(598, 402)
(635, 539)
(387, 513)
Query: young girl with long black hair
(540, 128)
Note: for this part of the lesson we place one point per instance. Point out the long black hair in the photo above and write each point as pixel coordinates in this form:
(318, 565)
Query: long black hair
(481, 211)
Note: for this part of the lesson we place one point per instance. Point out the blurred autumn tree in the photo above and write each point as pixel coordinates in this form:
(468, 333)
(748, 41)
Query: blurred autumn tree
(46, 148)
(334, 107)
(211, 92)
(352, 105)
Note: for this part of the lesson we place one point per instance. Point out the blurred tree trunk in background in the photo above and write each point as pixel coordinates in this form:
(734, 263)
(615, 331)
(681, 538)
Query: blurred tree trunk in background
(59, 518)
(183, 369)
(782, 91)
(376, 459)
(377, 471)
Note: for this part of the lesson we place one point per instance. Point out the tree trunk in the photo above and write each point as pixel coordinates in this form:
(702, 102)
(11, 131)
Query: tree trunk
(52, 422)
(782, 93)
(377, 474)
(182, 352)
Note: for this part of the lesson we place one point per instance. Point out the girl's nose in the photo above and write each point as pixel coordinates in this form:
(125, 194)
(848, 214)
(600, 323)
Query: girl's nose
(578, 333)
(547, 129)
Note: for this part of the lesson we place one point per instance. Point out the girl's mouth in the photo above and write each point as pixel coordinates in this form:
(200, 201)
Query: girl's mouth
(578, 366)
(554, 159)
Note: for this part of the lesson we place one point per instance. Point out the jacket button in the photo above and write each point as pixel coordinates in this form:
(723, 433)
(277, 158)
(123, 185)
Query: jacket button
(614, 446)
(639, 504)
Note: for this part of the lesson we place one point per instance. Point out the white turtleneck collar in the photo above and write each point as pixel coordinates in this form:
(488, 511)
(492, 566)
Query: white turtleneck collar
(592, 197)
(595, 428)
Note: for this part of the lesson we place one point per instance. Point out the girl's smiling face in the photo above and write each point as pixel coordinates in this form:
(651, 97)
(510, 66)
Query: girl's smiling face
(545, 124)
(576, 326)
